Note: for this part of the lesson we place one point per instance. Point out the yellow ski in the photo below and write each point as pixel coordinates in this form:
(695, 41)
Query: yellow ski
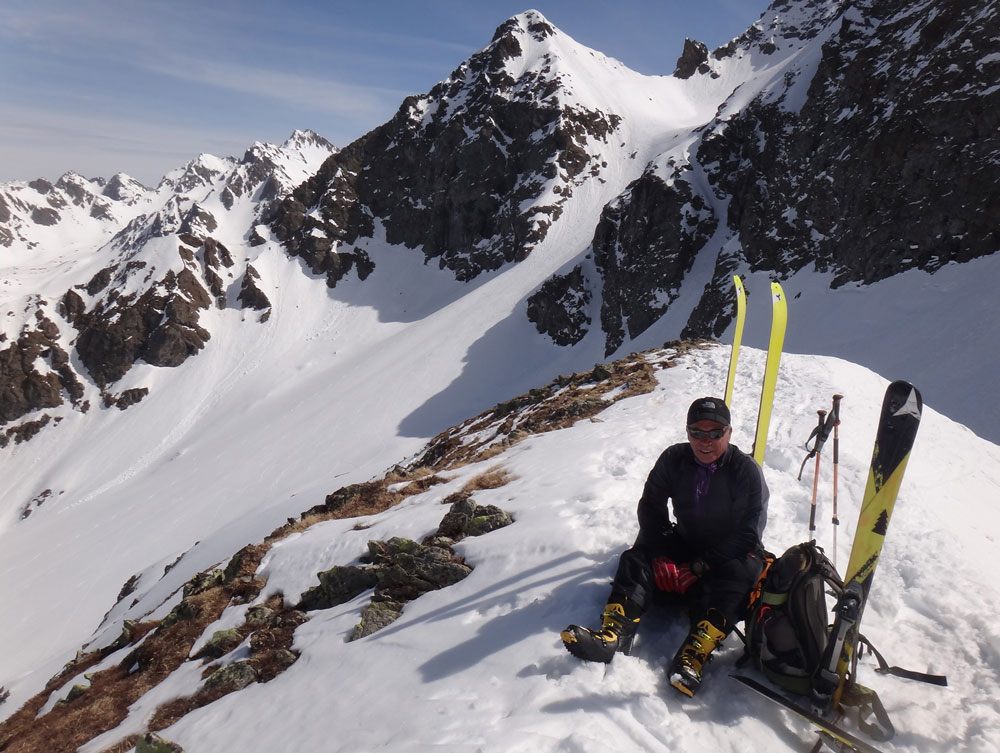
(734, 355)
(779, 319)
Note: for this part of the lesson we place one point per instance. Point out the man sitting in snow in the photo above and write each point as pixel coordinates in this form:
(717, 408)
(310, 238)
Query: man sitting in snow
(712, 554)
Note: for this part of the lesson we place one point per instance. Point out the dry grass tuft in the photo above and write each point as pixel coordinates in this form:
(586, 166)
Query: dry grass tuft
(493, 478)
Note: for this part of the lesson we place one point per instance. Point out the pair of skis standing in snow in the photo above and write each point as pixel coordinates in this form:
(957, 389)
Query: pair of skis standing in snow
(832, 685)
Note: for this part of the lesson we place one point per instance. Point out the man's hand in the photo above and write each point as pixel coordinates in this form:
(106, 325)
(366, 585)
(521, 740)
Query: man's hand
(699, 568)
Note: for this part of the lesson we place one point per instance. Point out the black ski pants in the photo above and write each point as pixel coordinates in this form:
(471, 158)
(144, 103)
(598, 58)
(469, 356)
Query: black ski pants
(724, 589)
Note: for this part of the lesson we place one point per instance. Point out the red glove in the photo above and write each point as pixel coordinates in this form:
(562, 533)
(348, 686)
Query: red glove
(671, 577)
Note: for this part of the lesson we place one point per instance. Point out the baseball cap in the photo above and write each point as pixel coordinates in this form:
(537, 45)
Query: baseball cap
(708, 409)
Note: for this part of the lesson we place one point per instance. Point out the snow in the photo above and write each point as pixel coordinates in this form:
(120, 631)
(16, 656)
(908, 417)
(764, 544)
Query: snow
(340, 385)
(478, 666)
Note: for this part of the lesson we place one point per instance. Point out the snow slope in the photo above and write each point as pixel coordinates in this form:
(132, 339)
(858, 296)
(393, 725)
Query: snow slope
(338, 385)
(479, 666)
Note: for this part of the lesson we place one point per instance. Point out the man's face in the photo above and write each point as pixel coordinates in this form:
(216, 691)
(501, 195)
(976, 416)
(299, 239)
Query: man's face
(707, 449)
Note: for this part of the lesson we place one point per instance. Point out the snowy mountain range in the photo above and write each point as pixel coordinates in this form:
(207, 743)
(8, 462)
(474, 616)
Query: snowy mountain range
(185, 371)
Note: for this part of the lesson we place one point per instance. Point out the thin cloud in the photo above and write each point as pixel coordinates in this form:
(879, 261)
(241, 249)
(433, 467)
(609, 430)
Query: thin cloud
(307, 92)
(40, 142)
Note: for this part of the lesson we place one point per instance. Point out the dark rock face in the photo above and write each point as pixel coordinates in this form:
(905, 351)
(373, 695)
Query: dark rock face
(884, 161)
(160, 326)
(559, 307)
(643, 246)
(23, 388)
(693, 59)
(251, 296)
(458, 172)
(140, 306)
(880, 159)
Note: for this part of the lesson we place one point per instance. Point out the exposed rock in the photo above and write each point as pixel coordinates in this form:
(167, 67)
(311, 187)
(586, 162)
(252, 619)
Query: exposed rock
(408, 569)
(693, 58)
(864, 170)
(338, 585)
(160, 327)
(256, 239)
(232, 678)
(220, 644)
(25, 431)
(128, 587)
(76, 692)
(376, 616)
(153, 743)
(203, 581)
(643, 246)
(401, 569)
(130, 397)
(368, 496)
(251, 296)
(216, 254)
(559, 307)
(45, 216)
(99, 281)
(23, 388)
(185, 610)
(259, 616)
(463, 183)
(466, 518)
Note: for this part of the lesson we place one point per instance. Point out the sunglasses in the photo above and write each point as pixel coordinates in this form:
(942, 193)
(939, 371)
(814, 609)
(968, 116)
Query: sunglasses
(713, 434)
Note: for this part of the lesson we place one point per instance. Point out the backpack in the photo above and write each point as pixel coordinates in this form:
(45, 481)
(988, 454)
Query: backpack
(787, 622)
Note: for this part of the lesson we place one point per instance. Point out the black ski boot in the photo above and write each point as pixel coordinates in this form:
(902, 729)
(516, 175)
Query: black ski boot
(690, 660)
(616, 634)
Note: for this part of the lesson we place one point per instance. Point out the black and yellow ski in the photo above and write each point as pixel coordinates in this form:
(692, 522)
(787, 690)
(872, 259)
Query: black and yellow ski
(835, 684)
(897, 429)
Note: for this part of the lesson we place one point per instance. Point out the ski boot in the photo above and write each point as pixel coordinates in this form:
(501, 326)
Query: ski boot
(690, 660)
(616, 634)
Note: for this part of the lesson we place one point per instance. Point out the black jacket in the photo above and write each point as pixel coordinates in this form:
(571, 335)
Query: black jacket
(726, 523)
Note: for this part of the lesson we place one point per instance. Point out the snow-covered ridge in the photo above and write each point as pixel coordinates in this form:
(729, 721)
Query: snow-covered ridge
(493, 635)
(324, 368)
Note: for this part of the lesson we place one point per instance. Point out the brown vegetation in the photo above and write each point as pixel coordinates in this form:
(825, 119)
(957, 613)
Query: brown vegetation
(162, 646)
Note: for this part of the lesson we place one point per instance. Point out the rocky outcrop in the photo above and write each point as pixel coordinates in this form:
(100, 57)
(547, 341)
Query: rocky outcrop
(159, 326)
(251, 296)
(693, 59)
(643, 247)
(459, 172)
(400, 570)
(35, 373)
(865, 169)
(559, 307)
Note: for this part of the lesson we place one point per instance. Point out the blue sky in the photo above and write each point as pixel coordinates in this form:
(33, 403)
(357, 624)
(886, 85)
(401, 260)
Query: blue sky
(143, 86)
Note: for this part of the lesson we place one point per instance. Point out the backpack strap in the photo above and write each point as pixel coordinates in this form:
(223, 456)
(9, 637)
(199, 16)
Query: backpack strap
(909, 674)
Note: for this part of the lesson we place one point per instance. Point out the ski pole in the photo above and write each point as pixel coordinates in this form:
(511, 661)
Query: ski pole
(818, 449)
(835, 415)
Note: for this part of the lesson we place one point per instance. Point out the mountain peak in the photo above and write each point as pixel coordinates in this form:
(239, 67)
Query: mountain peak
(530, 22)
(304, 138)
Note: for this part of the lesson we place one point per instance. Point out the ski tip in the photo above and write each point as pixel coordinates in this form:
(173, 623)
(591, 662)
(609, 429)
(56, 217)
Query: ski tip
(902, 398)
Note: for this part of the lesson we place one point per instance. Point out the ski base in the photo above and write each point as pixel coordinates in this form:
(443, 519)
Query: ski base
(834, 735)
